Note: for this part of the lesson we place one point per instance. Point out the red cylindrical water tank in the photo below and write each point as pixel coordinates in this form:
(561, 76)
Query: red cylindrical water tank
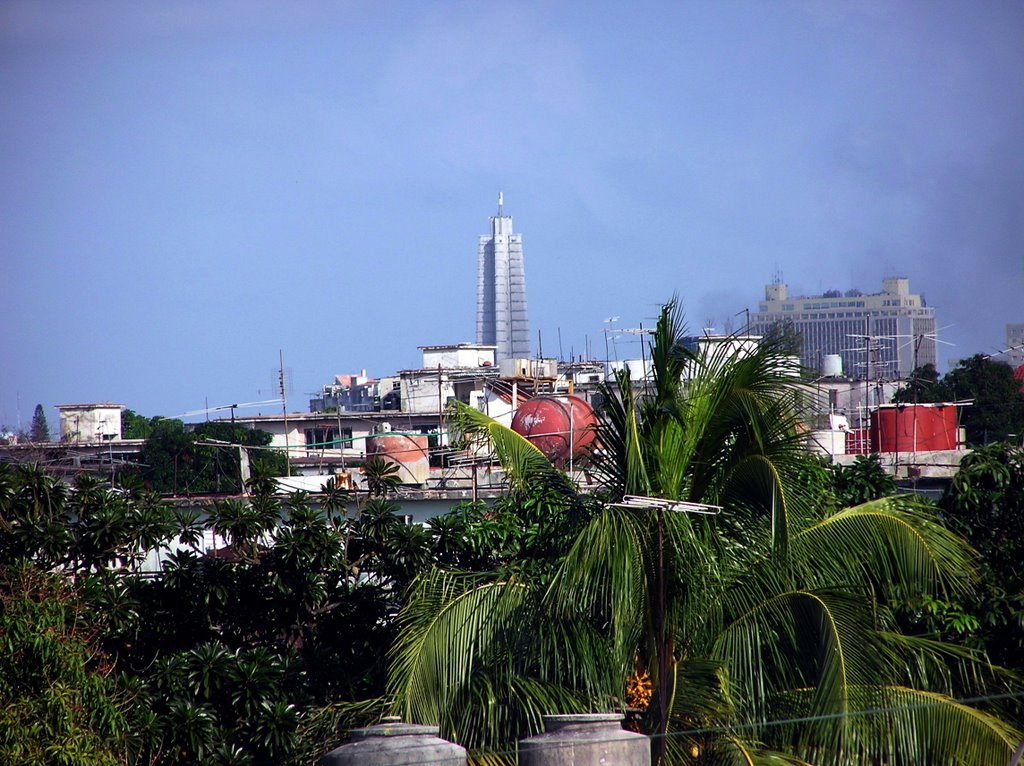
(557, 426)
(913, 428)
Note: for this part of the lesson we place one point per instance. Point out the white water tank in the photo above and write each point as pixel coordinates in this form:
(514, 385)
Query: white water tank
(831, 366)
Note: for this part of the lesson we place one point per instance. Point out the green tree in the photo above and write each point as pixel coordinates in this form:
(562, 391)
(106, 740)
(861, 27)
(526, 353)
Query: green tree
(58, 702)
(985, 504)
(134, 425)
(998, 404)
(923, 386)
(39, 430)
(861, 481)
(767, 628)
(205, 459)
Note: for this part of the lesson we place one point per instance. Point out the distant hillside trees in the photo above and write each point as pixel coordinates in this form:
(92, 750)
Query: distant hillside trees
(134, 425)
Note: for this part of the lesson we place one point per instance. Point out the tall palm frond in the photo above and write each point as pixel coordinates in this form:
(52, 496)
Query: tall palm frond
(893, 544)
(481, 659)
(799, 640)
(901, 726)
(449, 622)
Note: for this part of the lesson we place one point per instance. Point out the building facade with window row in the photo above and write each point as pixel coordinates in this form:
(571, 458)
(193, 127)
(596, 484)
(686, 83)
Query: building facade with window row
(878, 336)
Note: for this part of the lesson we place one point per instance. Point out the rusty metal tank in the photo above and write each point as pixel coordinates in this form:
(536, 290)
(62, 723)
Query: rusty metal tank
(410, 452)
(913, 427)
(558, 426)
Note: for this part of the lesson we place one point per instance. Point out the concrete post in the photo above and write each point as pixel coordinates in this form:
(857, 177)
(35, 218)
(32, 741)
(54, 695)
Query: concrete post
(394, 743)
(588, 739)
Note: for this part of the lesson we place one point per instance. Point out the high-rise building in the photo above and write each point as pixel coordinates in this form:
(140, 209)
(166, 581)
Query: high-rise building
(501, 290)
(878, 336)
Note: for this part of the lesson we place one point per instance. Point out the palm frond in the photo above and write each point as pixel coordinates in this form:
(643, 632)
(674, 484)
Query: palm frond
(605, 574)
(449, 625)
(902, 726)
(926, 727)
(893, 544)
(799, 639)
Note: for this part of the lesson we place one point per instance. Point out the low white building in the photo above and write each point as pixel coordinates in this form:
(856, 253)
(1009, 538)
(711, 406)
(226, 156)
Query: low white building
(90, 423)
(333, 439)
(458, 355)
(449, 373)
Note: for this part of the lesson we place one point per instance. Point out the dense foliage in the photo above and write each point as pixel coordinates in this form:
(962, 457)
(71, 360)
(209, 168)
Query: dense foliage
(58, 703)
(862, 480)
(255, 652)
(762, 617)
(202, 460)
(997, 403)
(985, 504)
(221, 656)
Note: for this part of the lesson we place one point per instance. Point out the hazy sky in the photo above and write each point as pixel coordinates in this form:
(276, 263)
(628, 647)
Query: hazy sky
(189, 187)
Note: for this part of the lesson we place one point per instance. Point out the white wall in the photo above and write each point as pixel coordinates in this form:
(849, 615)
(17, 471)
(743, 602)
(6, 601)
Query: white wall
(457, 356)
(90, 423)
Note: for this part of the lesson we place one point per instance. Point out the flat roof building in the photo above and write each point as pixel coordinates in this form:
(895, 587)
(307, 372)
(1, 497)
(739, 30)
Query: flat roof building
(878, 336)
(88, 423)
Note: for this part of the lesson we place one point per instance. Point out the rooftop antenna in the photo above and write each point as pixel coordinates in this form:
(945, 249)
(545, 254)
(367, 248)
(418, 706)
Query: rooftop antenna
(501, 204)
(284, 411)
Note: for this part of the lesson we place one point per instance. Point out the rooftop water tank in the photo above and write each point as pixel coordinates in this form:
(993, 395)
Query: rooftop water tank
(831, 366)
(557, 425)
(914, 428)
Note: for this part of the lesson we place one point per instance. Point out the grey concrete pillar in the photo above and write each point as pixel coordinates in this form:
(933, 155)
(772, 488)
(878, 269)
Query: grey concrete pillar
(394, 743)
(587, 739)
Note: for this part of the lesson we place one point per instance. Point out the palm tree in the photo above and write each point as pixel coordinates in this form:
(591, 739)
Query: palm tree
(777, 637)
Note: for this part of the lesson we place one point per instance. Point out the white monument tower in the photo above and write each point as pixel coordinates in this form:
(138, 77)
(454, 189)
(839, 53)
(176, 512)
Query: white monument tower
(501, 290)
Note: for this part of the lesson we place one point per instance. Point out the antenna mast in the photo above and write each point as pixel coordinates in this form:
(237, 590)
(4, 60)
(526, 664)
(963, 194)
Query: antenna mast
(284, 410)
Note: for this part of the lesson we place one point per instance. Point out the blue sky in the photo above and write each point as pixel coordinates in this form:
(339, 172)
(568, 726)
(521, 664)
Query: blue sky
(190, 187)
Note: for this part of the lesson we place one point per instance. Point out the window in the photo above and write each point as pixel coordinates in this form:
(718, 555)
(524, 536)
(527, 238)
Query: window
(322, 438)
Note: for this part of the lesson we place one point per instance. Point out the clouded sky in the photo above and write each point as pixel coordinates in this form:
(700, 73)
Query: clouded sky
(190, 187)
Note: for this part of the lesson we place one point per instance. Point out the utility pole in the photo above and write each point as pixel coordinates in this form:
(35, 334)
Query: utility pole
(284, 411)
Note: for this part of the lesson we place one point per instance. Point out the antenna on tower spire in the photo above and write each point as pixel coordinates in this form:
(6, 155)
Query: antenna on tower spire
(501, 203)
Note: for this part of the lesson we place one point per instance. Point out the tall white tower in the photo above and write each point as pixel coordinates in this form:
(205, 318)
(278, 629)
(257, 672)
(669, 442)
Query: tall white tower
(501, 290)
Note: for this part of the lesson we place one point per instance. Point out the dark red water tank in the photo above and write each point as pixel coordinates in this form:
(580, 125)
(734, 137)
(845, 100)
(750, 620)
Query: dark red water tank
(913, 428)
(557, 425)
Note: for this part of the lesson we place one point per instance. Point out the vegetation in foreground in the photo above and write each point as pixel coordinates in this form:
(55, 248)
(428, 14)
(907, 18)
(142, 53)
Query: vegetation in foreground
(814, 619)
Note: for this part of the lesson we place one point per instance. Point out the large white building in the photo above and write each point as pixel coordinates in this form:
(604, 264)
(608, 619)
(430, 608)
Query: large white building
(501, 319)
(878, 336)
